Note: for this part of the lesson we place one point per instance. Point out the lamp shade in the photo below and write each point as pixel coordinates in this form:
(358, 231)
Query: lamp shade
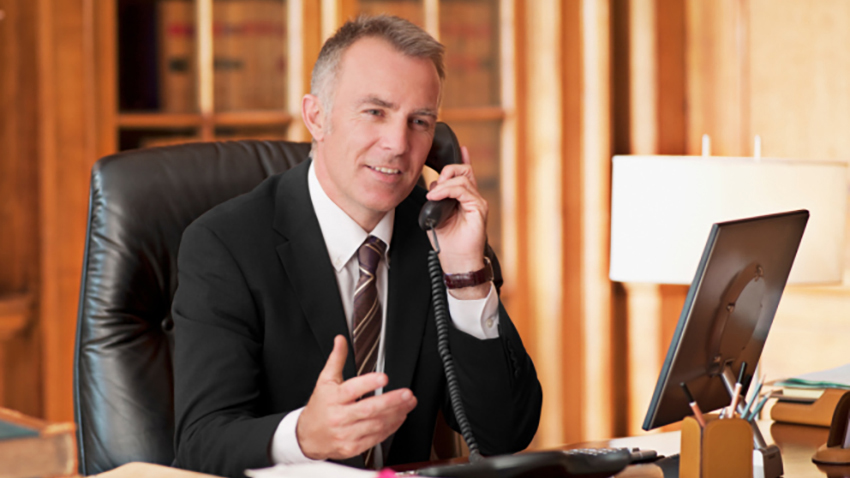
(663, 207)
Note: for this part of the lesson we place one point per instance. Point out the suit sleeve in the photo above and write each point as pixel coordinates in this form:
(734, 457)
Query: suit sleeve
(219, 423)
(498, 387)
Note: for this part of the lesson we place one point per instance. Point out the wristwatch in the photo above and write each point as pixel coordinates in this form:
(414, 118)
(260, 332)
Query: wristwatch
(470, 279)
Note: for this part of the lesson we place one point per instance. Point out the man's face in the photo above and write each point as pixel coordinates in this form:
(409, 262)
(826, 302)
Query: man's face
(370, 149)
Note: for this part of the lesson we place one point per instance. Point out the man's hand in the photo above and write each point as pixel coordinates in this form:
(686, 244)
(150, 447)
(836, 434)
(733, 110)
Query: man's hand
(335, 425)
(463, 235)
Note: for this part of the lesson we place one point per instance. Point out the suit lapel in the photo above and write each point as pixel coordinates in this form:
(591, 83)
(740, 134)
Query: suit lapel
(304, 257)
(408, 296)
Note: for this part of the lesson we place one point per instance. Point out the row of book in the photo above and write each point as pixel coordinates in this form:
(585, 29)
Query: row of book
(249, 55)
(250, 63)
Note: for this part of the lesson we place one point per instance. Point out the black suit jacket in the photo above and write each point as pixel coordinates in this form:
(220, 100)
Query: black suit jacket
(255, 315)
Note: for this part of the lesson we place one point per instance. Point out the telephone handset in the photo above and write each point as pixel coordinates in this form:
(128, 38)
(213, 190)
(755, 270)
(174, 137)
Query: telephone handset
(444, 150)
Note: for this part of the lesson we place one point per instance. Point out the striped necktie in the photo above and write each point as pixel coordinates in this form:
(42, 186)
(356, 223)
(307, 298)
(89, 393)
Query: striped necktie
(367, 307)
(368, 317)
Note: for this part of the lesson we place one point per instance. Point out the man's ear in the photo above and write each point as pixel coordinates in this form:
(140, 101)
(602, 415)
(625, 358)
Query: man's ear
(314, 116)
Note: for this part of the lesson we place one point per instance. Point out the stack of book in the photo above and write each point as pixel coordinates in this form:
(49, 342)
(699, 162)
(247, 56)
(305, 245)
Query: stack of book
(30, 447)
(810, 399)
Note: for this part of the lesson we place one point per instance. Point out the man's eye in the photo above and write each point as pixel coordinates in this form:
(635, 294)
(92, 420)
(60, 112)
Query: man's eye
(373, 112)
(421, 123)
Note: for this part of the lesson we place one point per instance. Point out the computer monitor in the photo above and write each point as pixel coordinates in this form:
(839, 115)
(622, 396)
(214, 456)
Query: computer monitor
(727, 313)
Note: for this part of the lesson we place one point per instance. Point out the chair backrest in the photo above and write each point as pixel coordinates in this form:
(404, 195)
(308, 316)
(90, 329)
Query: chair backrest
(140, 203)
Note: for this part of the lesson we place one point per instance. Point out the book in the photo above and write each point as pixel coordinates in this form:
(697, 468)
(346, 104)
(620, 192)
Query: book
(177, 63)
(838, 377)
(249, 55)
(30, 447)
(818, 412)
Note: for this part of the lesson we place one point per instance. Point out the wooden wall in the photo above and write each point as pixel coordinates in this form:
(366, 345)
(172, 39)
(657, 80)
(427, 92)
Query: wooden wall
(733, 69)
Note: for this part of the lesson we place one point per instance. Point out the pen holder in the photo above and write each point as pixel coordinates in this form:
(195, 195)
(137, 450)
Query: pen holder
(723, 449)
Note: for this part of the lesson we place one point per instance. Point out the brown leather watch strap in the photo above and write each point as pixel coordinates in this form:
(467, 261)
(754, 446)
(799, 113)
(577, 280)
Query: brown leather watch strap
(470, 279)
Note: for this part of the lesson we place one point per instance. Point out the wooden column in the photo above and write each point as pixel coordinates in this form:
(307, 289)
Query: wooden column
(565, 143)
(543, 162)
(68, 148)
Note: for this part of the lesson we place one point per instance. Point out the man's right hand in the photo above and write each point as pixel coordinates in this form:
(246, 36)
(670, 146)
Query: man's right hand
(335, 424)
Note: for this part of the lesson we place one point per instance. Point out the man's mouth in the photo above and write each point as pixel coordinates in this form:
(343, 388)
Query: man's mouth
(384, 170)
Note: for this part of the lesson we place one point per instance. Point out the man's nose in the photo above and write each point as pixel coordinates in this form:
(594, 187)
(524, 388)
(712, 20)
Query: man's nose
(395, 137)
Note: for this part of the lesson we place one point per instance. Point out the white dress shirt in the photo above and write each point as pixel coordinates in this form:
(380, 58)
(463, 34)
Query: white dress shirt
(343, 237)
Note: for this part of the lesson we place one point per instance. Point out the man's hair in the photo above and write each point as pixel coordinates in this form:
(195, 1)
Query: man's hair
(401, 34)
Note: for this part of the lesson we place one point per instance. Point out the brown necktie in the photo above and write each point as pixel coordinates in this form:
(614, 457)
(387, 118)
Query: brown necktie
(367, 317)
(367, 307)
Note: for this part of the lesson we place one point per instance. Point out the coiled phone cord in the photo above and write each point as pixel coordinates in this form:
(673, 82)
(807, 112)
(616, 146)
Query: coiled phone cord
(441, 314)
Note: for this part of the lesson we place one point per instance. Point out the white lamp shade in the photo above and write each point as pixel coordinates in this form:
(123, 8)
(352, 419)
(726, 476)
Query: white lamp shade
(662, 209)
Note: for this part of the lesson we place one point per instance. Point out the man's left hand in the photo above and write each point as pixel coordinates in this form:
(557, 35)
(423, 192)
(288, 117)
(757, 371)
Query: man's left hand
(463, 235)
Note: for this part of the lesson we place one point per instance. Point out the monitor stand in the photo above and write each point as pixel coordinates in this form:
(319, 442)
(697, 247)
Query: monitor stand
(767, 460)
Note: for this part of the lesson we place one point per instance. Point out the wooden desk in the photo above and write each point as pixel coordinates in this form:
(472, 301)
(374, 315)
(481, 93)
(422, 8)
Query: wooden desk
(798, 443)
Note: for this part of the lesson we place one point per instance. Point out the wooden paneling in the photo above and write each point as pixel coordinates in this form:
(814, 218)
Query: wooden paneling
(800, 105)
(303, 21)
(20, 384)
(716, 72)
(650, 118)
(68, 150)
(595, 221)
(543, 162)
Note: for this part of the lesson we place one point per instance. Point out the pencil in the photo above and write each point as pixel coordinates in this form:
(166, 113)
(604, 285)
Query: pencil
(693, 404)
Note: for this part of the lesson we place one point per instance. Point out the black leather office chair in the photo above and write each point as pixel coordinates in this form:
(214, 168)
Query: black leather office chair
(140, 203)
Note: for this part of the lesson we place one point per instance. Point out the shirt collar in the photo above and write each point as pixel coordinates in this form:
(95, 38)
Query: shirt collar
(343, 236)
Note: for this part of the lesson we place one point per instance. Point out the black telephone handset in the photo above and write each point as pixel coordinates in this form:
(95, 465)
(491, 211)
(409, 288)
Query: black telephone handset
(444, 150)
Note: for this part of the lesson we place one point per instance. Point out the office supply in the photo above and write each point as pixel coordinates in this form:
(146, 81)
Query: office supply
(817, 413)
(736, 394)
(693, 404)
(582, 462)
(758, 408)
(31, 447)
(727, 315)
(753, 397)
(838, 377)
(321, 469)
(720, 449)
(798, 395)
(836, 450)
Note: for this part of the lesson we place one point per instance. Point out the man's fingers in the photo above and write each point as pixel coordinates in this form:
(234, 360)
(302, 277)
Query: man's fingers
(398, 402)
(336, 361)
(356, 387)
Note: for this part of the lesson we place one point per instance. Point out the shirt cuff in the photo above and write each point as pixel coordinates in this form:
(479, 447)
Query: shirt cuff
(285, 447)
(477, 317)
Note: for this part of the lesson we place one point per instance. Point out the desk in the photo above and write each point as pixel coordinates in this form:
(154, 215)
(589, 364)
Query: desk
(797, 442)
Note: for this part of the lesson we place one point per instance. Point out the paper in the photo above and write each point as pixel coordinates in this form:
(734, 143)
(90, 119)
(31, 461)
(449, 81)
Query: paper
(838, 377)
(321, 469)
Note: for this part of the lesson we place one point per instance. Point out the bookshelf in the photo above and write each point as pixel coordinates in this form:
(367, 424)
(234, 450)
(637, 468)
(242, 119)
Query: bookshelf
(207, 70)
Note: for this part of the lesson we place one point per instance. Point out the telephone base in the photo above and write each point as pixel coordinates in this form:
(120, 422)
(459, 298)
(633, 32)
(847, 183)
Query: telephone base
(767, 462)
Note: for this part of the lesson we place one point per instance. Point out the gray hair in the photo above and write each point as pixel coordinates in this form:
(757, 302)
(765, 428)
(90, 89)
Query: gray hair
(403, 35)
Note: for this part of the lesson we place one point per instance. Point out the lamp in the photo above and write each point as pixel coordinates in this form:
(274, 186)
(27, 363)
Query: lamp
(663, 207)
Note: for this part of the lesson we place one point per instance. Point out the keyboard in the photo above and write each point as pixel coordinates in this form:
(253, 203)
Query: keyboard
(580, 462)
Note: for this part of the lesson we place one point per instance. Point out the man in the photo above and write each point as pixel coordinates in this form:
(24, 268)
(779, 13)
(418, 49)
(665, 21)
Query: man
(273, 286)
